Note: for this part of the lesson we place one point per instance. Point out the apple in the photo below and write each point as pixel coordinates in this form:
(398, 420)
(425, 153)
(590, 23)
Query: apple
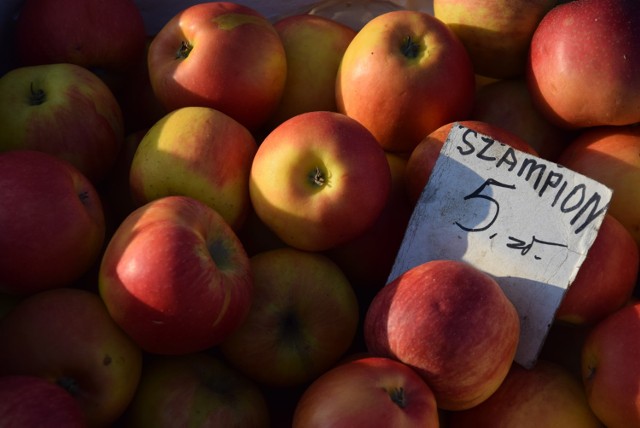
(221, 55)
(198, 152)
(175, 276)
(610, 370)
(90, 33)
(318, 180)
(424, 156)
(32, 401)
(64, 110)
(452, 323)
(507, 103)
(303, 318)
(52, 222)
(496, 33)
(195, 389)
(576, 84)
(606, 278)
(611, 155)
(547, 395)
(395, 69)
(368, 258)
(67, 337)
(563, 345)
(313, 46)
(368, 392)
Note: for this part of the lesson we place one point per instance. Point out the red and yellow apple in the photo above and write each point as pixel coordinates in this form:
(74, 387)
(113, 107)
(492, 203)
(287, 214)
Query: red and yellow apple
(496, 33)
(404, 75)
(367, 392)
(65, 110)
(314, 46)
(424, 156)
(222, 55)
(175, 277)
(52, 222)
(368, 258)
(29, 401)
(610, 368)
(507, 103)
(606, 278)
(546, 395)
(67, 337)
(583, 70)
(303, 319)
(197, 388)
(91, 33)
(198, 152)
(318, 180)
(452, 323)
(611, 155)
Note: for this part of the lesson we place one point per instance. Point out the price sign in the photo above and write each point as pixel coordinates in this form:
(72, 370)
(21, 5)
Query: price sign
(527, 222)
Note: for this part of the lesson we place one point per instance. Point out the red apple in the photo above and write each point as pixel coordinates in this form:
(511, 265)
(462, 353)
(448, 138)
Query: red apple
(452, 323)
(423, 157)
(67, 336)
(610, 368)
(318, 180)
(197, 388)
(52, 222)
(368, 258)
(367, 392)
(496, 33)
(303, 318)
(314, 46)
(91, 33)
(611, 155)
(175, 277)
(583, 69)
(547, 395)
(31, 402)
(606, 279)
(198, 152)
(221, 55)
(395, 69)
(64, 110)
(507, 103)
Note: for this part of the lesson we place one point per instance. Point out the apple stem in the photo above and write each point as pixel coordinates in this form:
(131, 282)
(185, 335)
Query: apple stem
(37, 96)
(184, 50)
(398, 397)
(317, 177)
(409, 48)
(69, 384)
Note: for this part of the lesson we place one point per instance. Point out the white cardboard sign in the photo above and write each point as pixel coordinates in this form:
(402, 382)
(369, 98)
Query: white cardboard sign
(526, 221)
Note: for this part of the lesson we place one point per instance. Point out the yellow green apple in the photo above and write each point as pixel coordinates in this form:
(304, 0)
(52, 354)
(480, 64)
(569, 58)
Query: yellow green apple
(198, 152)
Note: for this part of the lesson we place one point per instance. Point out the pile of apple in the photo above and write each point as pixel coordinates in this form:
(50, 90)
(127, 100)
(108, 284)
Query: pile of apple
(197, 226)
